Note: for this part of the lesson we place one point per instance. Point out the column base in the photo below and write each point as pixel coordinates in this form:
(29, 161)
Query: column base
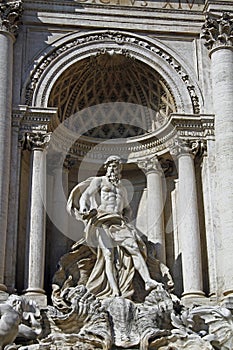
(37, 295)
(193, 297)
(3, 288)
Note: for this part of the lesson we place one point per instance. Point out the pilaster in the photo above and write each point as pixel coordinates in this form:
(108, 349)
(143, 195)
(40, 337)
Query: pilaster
(13, 205)
(9, 18)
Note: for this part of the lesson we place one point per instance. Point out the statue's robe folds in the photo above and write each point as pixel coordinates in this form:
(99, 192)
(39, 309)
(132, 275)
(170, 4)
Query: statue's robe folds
(85, 264)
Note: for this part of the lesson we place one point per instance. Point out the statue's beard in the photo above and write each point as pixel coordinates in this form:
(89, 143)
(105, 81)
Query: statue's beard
(113, 178)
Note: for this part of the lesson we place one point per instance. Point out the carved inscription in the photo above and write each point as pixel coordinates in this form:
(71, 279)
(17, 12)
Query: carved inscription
(164, 4)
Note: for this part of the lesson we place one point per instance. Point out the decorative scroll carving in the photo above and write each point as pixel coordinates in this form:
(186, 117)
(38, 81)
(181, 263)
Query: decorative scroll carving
(120, 39)
(10, 14)
(218, 31)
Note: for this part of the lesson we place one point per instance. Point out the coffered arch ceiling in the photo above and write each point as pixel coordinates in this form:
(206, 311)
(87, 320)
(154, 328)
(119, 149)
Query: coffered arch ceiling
(118, 81)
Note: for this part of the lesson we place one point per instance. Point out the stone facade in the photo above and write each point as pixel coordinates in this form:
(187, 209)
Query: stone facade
(152, 82)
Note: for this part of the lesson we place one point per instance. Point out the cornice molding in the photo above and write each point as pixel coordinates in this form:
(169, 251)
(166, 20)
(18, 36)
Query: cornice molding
(185, 127)
(33, 119)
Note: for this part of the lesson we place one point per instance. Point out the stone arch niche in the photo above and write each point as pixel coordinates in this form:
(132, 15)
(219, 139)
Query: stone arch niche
(113, 79)
(115, 97)
(78, 46)
(85, 73)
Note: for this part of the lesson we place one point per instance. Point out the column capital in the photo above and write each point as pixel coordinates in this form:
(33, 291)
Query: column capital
(10, 14)
(188, 147)
(150, 165)
(218, 31)
(34, 141)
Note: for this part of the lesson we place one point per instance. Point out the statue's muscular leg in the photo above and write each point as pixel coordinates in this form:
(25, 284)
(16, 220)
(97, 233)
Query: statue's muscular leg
(139, 263)
(109, 267)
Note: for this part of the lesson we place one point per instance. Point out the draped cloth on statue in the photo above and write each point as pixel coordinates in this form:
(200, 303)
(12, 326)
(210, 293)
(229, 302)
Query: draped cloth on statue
(87, 254)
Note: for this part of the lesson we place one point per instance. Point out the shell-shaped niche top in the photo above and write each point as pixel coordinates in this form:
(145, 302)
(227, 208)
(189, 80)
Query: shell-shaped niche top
(117, 96)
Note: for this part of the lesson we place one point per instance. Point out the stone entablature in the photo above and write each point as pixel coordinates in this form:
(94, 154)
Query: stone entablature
(187, 5)
(218, 31)
(34, 120)
(10, 14)
(158, 142)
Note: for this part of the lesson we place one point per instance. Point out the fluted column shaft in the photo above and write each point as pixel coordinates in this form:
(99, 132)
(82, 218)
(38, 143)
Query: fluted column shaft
(220, 43)
(188, 224)
(37, 213)
(155, 205)
(8, 25)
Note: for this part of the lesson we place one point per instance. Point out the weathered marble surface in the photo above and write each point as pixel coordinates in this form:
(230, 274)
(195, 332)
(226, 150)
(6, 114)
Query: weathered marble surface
(125, 306)
(82, 321)
(19, 318)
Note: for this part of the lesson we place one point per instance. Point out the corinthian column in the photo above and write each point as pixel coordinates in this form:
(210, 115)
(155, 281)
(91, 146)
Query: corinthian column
(188, 222)
(218, 33)
(36, 261)
(155, 218)
(9, 17)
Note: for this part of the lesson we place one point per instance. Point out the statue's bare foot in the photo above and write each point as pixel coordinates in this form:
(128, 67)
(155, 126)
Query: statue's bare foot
(152, 284)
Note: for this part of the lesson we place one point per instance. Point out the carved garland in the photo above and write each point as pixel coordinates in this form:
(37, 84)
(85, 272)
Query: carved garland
(120, 39)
